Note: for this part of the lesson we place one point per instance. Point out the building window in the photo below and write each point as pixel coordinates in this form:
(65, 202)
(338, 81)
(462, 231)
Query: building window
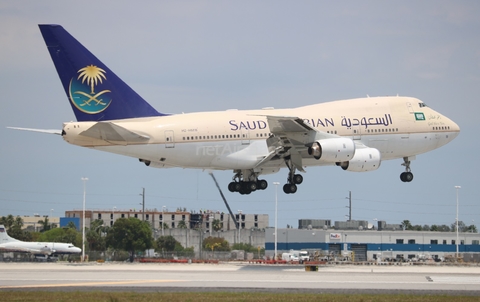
(183, 217)
(136, 215)
(399, 241)
(111, 216)
(433, 241)
(207, 225)
(173, 225)
(123, 215)
(475, 242)
(221, 217)
(462, 242)
(411, 241)
(173, 217)
(255, 224)
(99, 216)
(453, 241)
(160, 217)
(146, 216)
(243, 225)
(256, 217)
(444, 241)
(111, 223)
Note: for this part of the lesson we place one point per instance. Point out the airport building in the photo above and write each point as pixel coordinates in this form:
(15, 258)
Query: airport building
(371, 244)
(179, 219)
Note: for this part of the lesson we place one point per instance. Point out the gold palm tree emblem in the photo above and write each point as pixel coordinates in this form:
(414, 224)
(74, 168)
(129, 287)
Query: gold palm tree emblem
(92, 75)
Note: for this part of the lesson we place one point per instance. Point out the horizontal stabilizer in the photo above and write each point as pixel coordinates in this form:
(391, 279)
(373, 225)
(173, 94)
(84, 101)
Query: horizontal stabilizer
(109, 131)
(49, 131)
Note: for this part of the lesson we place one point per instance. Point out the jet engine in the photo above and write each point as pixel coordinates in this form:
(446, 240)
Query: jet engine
(333, 149)
(365, 159)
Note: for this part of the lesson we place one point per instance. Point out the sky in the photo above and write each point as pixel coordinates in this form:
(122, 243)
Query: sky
(189, 56)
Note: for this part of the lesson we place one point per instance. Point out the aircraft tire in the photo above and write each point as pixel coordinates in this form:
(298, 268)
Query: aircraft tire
(297, 179)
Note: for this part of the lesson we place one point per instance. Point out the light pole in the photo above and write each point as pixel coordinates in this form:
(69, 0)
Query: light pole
(163, 219)
(84, 179)
(456, 241)
(143, 204)
(113, 215)
(275, 234)
(238, 224)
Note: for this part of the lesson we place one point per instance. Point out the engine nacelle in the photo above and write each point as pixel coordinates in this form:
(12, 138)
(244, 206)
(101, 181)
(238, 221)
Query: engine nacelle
(365, 159)
(333, 149)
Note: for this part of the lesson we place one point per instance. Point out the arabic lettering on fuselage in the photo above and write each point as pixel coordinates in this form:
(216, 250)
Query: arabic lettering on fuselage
(370, 121)
(386, 120)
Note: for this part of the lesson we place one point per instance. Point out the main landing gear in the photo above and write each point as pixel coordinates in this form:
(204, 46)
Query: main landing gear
(293, 179)
(406, 176)
(246, 182)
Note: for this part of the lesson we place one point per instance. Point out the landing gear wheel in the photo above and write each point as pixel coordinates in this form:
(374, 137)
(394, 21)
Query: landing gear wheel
(252, 186)
(232, 187)
(262, 184)
(297, 179)
(406, 176)
(289, 188)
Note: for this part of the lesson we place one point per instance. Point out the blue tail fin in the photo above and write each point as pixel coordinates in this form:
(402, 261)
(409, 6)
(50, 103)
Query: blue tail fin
(94, 91)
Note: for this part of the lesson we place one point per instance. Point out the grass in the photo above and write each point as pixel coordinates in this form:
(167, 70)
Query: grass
(218, 296)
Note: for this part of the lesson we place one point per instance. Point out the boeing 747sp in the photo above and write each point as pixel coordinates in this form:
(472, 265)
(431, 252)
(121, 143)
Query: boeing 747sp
(355, 134)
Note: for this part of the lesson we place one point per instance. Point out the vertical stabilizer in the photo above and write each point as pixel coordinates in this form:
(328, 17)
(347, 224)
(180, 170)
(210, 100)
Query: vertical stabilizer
(93, 90)
(4, 238)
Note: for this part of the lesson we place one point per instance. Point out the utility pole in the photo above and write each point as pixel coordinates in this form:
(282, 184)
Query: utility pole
(349, 205)
(143, 204)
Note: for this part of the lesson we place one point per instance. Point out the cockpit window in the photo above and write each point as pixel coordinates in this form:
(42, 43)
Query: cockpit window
(422, 105)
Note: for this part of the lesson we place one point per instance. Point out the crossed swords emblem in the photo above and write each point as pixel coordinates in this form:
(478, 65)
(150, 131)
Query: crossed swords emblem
(92, 98)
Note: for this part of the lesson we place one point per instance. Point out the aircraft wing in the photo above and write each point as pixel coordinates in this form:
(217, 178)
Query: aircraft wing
(49, 131)
(290, 137)
(111, 132)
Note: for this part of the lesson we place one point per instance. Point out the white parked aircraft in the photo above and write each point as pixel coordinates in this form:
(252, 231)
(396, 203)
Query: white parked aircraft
(9, 244)
(355, 134)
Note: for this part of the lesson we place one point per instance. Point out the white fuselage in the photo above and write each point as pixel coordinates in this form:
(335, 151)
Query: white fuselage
(398, 127)
(39, 248)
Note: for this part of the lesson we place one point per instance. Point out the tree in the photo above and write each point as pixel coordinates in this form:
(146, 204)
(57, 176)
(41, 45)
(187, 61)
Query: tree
(461, 226)
(131, 235)
(166, 243)
(471, 229)
(406, 225)
(217, 225)
(434, 228)
(182, 224)
(71, 225)
(45, 224)
(443, 228)
(209, 241)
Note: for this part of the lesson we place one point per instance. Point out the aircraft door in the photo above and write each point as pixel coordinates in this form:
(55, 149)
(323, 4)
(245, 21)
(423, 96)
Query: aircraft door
(169, 139)
(245, 136)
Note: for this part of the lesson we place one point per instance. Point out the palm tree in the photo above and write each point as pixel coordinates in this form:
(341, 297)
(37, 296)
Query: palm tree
(45, 224)
(182, 224)
(217, 225)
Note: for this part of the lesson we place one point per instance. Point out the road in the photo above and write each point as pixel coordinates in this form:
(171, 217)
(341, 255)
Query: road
(448, 280)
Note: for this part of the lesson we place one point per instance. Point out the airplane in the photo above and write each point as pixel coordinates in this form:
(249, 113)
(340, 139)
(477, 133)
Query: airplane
(47, 249)
(354, 134)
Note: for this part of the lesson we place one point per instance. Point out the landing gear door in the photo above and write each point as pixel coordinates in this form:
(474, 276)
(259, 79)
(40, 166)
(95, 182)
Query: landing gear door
(169, 139)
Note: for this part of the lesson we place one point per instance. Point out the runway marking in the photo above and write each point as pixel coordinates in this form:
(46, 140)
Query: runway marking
(90, 283)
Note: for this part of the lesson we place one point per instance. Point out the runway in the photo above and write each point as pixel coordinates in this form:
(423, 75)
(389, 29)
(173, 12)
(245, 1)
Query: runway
(447, 280)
